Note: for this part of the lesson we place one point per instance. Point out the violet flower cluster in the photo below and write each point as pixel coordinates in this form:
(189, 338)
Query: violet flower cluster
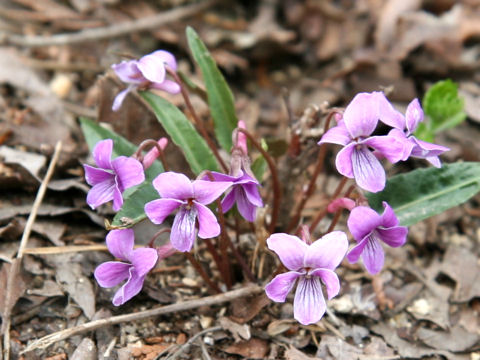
(359, 158)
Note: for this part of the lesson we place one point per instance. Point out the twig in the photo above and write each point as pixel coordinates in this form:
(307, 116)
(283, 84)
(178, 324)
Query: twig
(48, 340)
(49, 250)
(202, 272)
(190, 341)
(115, 30)
(15, 268)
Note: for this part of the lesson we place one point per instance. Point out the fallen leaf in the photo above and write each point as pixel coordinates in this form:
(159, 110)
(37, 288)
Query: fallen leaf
(85, 351)
(245, 309)
(8, 299)
(239, 332)
(455, 339)
(251, 349)
(334, 348)
(294, 354)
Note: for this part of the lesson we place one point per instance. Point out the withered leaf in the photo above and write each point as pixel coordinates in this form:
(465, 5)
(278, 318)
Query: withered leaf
(251, 349)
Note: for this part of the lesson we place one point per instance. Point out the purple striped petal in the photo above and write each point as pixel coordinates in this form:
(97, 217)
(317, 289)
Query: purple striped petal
(330, 279)
(183, 234)
(117, 197)
(355, 253)
(373, 256)
(102, 154)
(173, 185)
(393, 148)
(208, 226)
(278, 289)
(413, 116)
(111, 273)
(94, 176)
(309, 303)
(206, 192)
(101, 193)
(343, 161)
(244, 206)
(158, 210)
(131, 288)
(394, 236)
(290, 249)
(228, 201)
(327, 252)
(120, 243)
(367, 170)
(129, 172)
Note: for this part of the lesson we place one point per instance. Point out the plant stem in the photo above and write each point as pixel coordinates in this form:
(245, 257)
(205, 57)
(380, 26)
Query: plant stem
(157, 234)
(197, 120)
(150, 142)
(339, 211)
(277, 194)
(202, 272)
(311, 185)
(324, 212)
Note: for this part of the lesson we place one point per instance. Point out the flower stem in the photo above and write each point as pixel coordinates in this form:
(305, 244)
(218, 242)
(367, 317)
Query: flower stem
(339, 211)
(202, 272)
(149, 142)
(324, 212)
(311, 185)
(277, 194)
(157, 234)
(197, 120)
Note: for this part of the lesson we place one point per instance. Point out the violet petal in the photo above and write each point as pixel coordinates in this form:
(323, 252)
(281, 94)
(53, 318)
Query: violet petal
(330, 279)
(111, 273)
(413, 116)
(336, 135)
(131, 288)
(309, 303)
(94, 175)
(327, 252)
(143, 259)
(129, 172)
(173, 185)
(362, 221)
(279, 287)
(367, 170)
(206, 192)
(208, 226)
(152, 68)
(373, 256)
(101, 193)
(120, 243)
(394, 236)
(102, 153)
(183, 234)
(290, 249)
(158, 210)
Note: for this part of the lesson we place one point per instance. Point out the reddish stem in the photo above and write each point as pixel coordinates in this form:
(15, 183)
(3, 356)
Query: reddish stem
(339, 211)
(277, 194)
(202, 272)
(149, 142)
(157, 234)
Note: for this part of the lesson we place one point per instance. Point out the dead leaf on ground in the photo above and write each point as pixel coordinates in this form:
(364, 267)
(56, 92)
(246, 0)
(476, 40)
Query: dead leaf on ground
(294, 354)
(69, 274)
(245, 309)
(252, 349)
(457, 339)
(333, 348)
(239, 332)
(85, 351)
(8, 299)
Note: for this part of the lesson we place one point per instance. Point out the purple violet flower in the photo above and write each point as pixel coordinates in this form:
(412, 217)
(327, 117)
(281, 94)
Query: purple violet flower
(147, 72)
(112, 177)
(133, 267)
(244, 192)
(177, 191)
(404, 127)
(311, 265)
(353, 131)
(370, 229)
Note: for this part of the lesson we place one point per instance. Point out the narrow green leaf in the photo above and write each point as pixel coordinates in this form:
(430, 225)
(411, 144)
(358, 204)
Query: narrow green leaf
(197, 153)
(423, 193)
(443, 109)
(134, 198)
(220, 97)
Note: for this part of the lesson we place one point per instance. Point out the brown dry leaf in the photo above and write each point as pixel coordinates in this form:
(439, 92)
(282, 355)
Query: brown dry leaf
(251, 349)
(245, 309)
(334, 348)
(402, 347)
(85, 351)
(294, 354)
(433, 307)
(388, 19)
(462, 265)
(49, 289)
(278, 327)
(239, 332)
(9, 299)
(456, 339)
(32, 162)
(70, 276)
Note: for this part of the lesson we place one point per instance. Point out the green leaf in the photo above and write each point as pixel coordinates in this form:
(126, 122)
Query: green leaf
(134, 198)
(443, 108)
(197, 153)
(423, 193)
(220, 97)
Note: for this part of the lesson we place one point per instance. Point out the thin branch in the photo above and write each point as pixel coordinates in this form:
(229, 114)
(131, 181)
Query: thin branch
(15, 268)
(50, 339)
(100, 33)
(202, 272)
(190, 341)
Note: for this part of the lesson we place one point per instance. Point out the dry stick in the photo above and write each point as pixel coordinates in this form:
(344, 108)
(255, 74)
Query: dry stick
(15, 267)
(202, 272)
(64, 249)
(277, 194)
(46, 341)
(339, 211)
(324, 212)
(216, 256)
(116, 30)
(311, 185)
(190, 341)
(197, 120)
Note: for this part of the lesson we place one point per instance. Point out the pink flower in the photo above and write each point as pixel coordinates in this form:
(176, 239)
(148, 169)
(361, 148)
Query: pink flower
(112, 177)
(311, 265)
(190, 197)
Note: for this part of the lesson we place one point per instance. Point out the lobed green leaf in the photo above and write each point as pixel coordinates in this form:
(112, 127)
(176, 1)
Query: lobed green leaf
(423, 193)
(220, 97)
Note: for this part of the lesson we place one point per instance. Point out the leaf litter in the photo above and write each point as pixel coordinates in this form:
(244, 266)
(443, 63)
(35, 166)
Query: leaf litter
(338, 48)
